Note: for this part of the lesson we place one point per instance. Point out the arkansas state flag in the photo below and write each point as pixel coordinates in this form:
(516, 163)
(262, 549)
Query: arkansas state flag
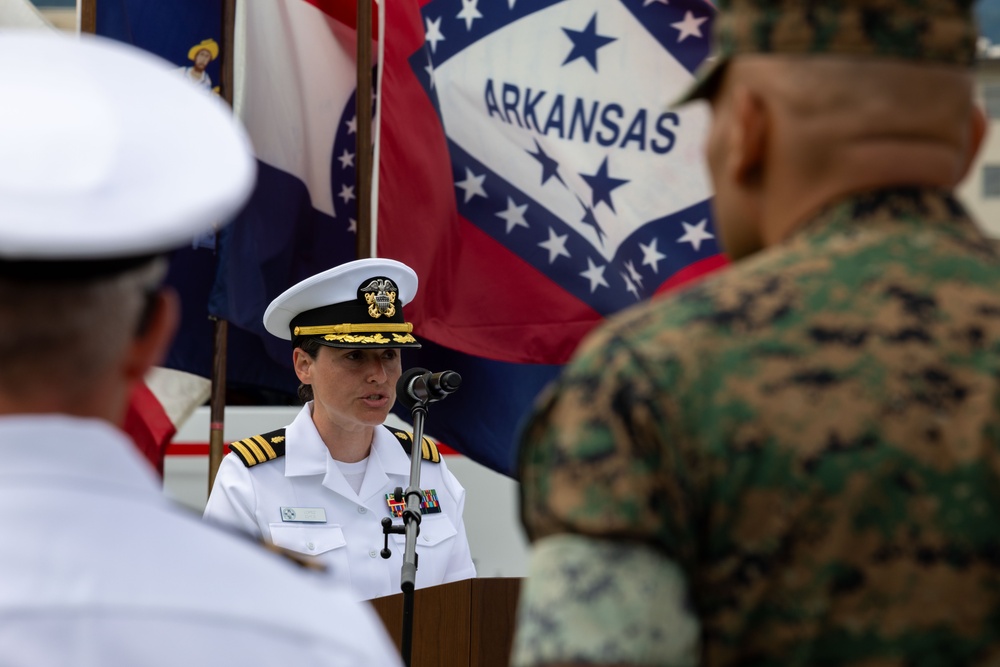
(577, 190)
(530, 171)
(570, 188)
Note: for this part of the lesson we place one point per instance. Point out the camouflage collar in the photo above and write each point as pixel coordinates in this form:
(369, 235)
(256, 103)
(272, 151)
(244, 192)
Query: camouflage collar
(908, 207)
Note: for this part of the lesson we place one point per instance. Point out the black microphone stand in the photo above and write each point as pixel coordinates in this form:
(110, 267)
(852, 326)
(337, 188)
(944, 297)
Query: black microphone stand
(431, 388)
(410, 527)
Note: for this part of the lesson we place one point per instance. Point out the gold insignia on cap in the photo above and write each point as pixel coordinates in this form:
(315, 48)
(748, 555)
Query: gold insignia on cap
(377, 339)
(352, 328)
(380, 294)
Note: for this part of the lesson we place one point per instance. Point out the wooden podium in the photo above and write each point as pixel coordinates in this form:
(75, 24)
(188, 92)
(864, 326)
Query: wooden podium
(462, 624)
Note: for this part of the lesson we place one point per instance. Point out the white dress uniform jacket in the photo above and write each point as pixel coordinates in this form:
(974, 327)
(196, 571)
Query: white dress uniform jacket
(350, 539)
(97, 568)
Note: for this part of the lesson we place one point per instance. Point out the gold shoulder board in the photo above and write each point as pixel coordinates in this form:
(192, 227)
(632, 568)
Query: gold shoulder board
(428, 450)
(259, 448)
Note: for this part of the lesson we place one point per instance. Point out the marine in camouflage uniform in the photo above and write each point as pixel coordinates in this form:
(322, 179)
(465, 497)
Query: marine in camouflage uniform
(797, 461)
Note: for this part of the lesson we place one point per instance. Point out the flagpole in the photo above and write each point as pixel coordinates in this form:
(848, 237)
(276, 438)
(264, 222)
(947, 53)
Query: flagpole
(363, 148)
(217, 403)
(365, 160)
(87, 16)
(220, 348)
(377, 127)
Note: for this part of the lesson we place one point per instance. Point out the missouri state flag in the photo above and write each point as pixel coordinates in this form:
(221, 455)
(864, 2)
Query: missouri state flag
(529, 168)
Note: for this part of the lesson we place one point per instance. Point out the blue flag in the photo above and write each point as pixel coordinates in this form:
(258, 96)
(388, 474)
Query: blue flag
(188, 33)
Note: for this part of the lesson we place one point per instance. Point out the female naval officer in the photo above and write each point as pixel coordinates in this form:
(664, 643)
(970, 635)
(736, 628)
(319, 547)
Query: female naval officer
(321, 485)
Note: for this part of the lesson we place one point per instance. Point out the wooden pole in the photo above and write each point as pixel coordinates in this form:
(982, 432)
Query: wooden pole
(217, 404)
(227, 66)
(363, 148)
(88, 16)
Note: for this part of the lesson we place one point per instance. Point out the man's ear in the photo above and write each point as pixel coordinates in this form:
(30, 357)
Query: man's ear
(978, 125)
(150, 345)
(749, 136)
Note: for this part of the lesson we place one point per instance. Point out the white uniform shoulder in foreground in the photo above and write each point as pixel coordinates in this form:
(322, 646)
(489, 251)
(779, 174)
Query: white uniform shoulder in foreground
(101, 570)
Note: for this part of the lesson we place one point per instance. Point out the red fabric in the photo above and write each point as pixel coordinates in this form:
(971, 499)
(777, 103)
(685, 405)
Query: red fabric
(693, 272)
(147, 423)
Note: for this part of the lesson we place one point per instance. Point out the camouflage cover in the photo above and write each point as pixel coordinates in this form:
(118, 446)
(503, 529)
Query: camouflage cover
(931, 31)
(813, 435)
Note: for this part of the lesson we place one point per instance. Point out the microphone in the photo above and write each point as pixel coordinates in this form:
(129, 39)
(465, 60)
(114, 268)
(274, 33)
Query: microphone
(419, 385)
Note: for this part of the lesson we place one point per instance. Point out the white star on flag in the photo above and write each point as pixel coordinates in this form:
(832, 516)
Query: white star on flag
(470, 12)
(346, 193)
(433, 34)
(633, 274)
(651, 256)
(347, 159)
(647, 3)
(473, 185)
(430, 73)
(695, 234)
(595, 274)
(689, 27)
(514, 215)
(630, 286)
(352, 226)
(352, 125)
(511, 3)
(556, 245)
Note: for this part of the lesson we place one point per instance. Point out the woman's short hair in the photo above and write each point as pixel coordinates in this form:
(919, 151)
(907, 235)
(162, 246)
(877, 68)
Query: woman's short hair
(311, 347)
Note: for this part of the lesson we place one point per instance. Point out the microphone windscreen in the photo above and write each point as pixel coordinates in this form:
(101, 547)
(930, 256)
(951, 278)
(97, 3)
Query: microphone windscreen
(404, 392)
